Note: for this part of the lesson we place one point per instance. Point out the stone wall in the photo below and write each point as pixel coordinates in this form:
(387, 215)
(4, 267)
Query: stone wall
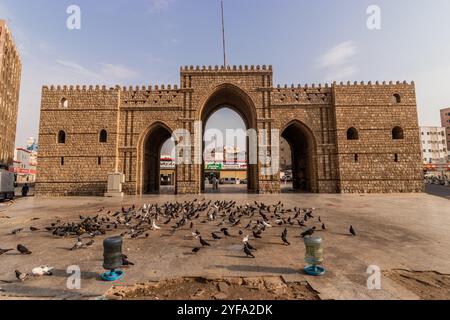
(369, 163)
(73, 167)
(320, 114)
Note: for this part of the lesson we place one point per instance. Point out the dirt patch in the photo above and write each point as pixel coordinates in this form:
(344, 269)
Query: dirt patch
(265, 288)
(428, 285)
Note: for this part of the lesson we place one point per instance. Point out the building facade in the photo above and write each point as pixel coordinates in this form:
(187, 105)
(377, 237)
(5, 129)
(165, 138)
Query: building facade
(445, 122)
(25, 166)
(345, 138)
(10, 74)
(434, 145)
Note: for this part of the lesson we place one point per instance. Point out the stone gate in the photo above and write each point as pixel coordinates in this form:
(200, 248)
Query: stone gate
(345, 138)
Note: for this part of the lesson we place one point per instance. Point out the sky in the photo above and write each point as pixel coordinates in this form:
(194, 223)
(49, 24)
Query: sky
(144, 42)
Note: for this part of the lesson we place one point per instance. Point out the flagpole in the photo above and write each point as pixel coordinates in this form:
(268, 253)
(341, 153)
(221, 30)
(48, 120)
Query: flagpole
(223, 37)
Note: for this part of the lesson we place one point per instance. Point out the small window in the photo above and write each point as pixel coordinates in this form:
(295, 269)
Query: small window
(396, 98)
(64, 103)
(396, 157)
(62, 161)
(397, 133)
(103, 136)
(356, 158)
(61, 137)
(352, 134)
(99, 161)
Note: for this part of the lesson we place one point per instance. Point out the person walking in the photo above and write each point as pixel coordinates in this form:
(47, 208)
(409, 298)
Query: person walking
(25, 190)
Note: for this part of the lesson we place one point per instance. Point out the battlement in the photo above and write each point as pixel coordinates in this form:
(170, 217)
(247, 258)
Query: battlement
(344, 84)
(98, 88)
(151, 89)
(375, 84)
(78, 88)
(228, 68)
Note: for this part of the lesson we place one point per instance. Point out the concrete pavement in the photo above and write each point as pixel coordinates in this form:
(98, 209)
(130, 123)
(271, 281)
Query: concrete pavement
(397, 231)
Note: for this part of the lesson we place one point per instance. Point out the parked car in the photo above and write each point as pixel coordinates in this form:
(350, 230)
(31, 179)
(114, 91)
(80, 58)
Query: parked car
(229, 181)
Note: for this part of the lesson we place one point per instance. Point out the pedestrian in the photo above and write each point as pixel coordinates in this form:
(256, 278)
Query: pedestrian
(25, 190)
(214, 183)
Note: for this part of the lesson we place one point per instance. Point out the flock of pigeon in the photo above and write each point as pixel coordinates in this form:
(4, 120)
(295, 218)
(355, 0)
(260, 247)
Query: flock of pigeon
(249, 221)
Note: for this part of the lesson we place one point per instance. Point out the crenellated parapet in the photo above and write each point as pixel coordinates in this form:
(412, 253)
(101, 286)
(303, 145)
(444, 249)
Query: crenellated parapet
(302, 94)
(152, 95)
(64, 89)
(323, 93)
(228, 68)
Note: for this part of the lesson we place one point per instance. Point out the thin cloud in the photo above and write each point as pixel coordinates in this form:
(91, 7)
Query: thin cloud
(155, 6)
(107, 73)
(117, 71)
(338, 61)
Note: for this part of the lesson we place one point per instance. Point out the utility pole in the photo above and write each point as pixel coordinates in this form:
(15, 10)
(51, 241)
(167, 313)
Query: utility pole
(223, 37)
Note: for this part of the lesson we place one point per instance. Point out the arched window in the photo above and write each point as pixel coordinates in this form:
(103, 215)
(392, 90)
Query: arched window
(397, 133)
(352, 134)
(61, 137)
(64, 103)
(396, 98)
(103, 136)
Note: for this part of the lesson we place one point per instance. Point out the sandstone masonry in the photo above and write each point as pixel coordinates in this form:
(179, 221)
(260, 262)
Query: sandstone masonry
(345, 138)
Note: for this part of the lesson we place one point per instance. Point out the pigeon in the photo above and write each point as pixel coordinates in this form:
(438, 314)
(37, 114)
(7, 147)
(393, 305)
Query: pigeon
(225, 232)
(22, 249)
(245, 240)
(90, 243)
(352, 231)
(125, 261)
(154, 226)
(16, 231)
(196, 249)
(215, 237)
(3, 251)
(256, 235)
(285, 240)
(195, 235)
(267, 224)
(248, 252)
(21, 276)
(308, 232)
(77, 245)
(250, 246)
(42, 271)
(204, 243)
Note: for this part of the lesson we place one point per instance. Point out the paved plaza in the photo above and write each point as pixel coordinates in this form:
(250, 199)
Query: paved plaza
(408, 232)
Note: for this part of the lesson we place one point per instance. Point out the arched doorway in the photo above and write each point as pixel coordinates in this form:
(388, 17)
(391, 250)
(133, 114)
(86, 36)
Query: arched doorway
(231, 97)
(303, 154)
(153, 143)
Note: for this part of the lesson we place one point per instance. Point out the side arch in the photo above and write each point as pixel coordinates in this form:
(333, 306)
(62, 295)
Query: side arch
(304, 155)
(149, 147)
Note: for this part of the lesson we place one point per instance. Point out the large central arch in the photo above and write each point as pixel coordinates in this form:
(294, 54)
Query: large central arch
(304, 156)
(233, 97)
